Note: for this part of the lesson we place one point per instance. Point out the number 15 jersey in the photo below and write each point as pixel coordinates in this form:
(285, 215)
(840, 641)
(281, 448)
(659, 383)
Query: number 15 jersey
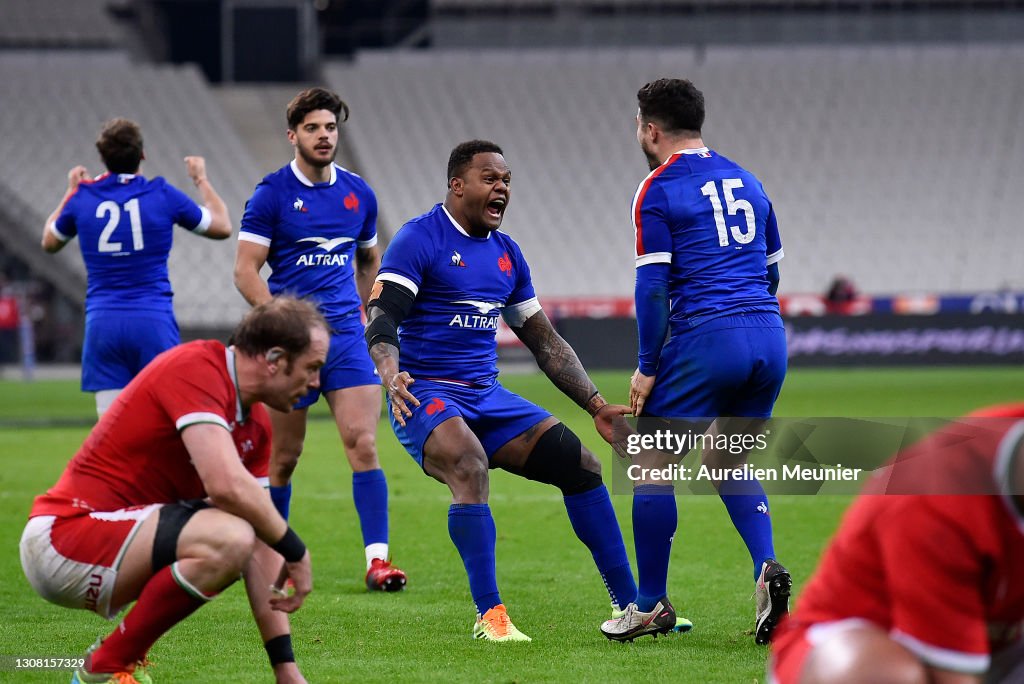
(712, 221)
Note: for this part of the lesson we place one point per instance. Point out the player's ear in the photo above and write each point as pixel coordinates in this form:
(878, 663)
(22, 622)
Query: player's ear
(274, 356)
(292, 138)
(455, 185)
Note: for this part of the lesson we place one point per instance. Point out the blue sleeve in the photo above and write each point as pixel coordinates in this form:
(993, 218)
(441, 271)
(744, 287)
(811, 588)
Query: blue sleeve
(651, 297)
(773, 278)
(260, 216)
(523, 290)
(184, 211)
(368, 234)
(650, 221)
(65, 222)
(407, 258)
(773, 242)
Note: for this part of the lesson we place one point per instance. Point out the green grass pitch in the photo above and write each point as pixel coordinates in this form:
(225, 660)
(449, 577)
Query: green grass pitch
(546, 576)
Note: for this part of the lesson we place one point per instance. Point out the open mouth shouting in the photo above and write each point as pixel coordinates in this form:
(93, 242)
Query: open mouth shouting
(495, 209)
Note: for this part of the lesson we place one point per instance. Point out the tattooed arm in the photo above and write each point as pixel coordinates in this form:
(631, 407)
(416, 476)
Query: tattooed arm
(559, 362)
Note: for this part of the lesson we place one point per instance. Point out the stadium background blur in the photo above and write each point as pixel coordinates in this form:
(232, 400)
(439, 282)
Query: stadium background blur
(887, 133)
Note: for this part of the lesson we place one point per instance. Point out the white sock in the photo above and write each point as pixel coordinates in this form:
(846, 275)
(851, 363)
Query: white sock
(377, 550)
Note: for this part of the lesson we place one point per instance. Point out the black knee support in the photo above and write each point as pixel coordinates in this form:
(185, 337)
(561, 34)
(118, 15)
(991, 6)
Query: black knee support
(172, 520)
(555, 460)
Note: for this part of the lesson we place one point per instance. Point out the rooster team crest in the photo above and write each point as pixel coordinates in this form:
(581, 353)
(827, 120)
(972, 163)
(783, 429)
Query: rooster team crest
(457, 260)
(505, 264)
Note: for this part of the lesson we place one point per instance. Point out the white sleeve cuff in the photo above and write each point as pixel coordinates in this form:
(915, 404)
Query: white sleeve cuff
(366, 244)
(204, 221)
(200, 417)
(517, 314)
(654, 258)
(777, 256)
(399, 280)
(253, 237)
(59, 235)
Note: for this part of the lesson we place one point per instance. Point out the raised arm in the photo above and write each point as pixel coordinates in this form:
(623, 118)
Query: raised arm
(220, 220)
(51, 240)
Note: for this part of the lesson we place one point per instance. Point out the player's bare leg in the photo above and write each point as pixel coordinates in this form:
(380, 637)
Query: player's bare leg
(289, 435)
(212, 549)
(287, 438)
(356, 413)
(867, 654)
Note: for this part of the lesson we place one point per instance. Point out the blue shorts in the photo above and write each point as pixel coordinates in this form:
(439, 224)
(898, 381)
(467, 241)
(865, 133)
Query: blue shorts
(495, 415)
(348, 362)
(729, 366)
(119, 344)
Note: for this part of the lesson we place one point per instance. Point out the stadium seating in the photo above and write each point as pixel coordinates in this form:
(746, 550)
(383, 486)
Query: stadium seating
(55, 104)
(57, 23)
(894, 165)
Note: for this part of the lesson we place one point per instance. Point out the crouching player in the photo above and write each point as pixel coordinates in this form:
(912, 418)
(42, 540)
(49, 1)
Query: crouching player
(162, 504)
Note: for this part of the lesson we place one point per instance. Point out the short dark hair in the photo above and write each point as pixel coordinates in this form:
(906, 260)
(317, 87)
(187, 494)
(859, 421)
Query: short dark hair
(673, 103)
(462, 155)
(282, 322)
(312, 99)
(120, 146)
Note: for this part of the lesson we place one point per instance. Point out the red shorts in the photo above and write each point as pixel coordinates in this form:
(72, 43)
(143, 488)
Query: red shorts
(73, 561)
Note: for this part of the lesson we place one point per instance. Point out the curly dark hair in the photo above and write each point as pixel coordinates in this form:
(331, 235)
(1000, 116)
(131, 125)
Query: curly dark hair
(462, 155)
(312, 99)
(673, 103)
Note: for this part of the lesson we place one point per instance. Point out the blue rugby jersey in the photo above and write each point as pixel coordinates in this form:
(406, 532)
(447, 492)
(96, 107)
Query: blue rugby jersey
(125, 228)
(312, 231)
(462, 285)
(711, 220)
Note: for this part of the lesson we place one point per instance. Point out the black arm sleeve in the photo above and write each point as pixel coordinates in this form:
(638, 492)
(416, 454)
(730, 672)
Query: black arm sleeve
(385, 313)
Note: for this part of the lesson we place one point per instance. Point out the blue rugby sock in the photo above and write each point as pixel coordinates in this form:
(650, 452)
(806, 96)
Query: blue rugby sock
(654, 525)
(748, 507)
(370, 493)
(471, 528)
(282, 498)
(593, 520)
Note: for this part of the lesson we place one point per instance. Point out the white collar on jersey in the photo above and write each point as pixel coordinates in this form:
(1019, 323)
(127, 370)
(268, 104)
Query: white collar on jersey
(229, 359)
(460, 228)
(305, 181)
(696, 150)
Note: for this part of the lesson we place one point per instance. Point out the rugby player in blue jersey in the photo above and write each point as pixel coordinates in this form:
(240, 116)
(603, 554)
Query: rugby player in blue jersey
(445, 280)
(315, 224)
(707, 252)
(125, 225)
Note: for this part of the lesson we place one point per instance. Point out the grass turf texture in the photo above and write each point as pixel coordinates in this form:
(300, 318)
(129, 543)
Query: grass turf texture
(546, 576)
